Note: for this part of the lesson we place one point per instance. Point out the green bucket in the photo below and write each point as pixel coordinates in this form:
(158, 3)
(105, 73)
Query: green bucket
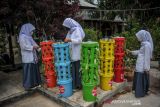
(89, 92)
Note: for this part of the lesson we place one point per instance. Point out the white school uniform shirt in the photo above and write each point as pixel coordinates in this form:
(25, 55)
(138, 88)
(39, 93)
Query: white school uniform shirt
(143, 57)
(75, 44)
(27, 51)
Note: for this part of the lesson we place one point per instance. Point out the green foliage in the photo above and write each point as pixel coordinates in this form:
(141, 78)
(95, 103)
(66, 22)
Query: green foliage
(46, 15)
(91, 34)
(154, 28)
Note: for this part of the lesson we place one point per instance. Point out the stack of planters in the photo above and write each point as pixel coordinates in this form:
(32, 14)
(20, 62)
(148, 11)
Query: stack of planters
(62, 64)
(89, 65)
(119, 62)
(47, 60)
(106, 63)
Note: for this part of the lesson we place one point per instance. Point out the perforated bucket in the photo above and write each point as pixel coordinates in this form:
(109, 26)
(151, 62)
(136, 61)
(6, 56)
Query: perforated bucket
(120, 43)
(119, 75)
(61, 52)
(107, 48)
(46, 48)
(50, 79)
(106, 66)
(63, 71)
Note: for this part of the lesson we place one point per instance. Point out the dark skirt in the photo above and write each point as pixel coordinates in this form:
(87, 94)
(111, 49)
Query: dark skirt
(76, 76)
(140, 84)
(31, 75)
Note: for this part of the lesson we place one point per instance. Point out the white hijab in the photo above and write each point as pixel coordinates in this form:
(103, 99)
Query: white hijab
(72, 24)
(26, 30)
(145, 36)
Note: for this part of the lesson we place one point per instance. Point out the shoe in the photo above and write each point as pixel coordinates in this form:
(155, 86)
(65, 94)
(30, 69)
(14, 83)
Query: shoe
(74, 90)
(33, 88)
(147, 93)
(39, 86)
(133, 92)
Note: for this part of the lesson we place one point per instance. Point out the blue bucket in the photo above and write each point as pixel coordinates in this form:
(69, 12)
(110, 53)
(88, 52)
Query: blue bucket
(61, 52)
(63, 71)
(66, 88)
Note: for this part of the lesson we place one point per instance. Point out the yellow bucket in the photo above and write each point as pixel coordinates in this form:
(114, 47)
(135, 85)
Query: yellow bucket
(106, 82)
(107, 48)
(106, 66)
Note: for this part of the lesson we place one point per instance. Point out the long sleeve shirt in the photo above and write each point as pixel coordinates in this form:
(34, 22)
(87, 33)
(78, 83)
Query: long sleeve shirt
(143, 57)
(75, 44)
(27, 51)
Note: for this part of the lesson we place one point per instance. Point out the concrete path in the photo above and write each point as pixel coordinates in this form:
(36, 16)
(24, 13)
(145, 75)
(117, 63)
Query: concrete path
(35, 100)
(10, 83)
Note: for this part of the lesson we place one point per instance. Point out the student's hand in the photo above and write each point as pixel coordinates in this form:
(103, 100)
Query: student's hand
(39, 49)
(146, 71)
(67, 40)
(35, 47)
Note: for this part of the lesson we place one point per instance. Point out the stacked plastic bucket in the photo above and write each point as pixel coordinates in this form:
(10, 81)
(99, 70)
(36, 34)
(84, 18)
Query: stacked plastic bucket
(47, 59)
(106, 63)
(89, 65)
(62, 64)
(119, 62)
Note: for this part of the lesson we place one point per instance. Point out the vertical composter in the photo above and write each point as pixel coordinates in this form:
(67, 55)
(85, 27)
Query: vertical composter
(63, 68)
(47, 59)
(119, 59)
(89, 65)
(106, 63)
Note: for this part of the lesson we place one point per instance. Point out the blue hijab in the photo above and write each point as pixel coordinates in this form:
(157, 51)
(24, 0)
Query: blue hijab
(26, 30)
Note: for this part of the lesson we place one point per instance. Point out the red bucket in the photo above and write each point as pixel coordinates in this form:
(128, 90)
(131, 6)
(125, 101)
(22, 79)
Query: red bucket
(47, 51)
(118, 75)
(120, 43)
(51, 79)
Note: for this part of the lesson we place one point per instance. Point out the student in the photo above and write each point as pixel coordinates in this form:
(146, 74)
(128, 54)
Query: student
(141, 75)
(31, 74)
(75, 36)
(106, 31)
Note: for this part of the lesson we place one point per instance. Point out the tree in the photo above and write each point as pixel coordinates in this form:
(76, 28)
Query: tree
(46, 15)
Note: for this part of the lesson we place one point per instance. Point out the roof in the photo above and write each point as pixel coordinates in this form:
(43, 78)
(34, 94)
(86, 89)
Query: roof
(86, 4)
(83, 3)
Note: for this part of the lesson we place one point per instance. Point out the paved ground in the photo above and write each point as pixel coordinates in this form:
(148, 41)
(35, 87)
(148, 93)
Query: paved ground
(35, 100)
(10, 83)
(128, 100)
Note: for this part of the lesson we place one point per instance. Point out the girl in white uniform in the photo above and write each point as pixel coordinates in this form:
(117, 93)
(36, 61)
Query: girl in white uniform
(31, 74)
(144, 55)
(74, 36)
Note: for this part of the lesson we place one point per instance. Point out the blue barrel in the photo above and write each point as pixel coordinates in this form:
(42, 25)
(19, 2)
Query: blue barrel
(66, 88)
(61, 52)
(63, 71)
